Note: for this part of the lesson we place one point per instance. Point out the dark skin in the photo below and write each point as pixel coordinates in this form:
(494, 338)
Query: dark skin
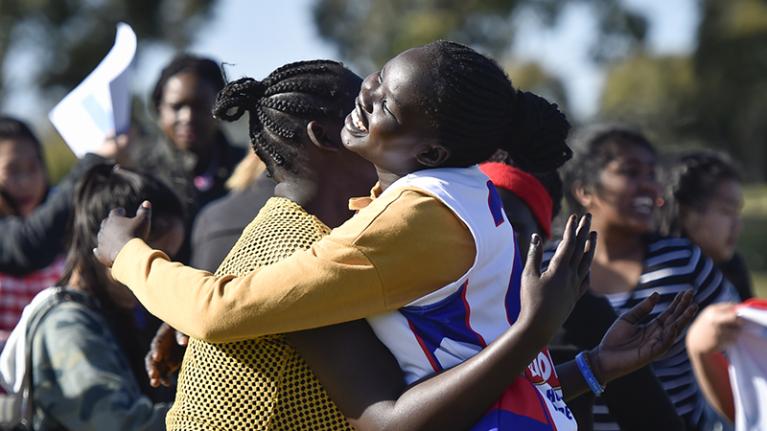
(399, 142)
(184, 116)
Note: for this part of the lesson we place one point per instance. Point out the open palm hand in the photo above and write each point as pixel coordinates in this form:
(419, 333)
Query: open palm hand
(629, 345)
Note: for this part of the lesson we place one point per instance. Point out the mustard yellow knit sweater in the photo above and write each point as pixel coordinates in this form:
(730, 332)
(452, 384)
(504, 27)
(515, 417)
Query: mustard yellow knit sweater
(260, 384)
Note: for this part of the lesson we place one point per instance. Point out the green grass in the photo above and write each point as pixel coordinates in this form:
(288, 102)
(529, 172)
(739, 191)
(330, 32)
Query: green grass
(753, 239)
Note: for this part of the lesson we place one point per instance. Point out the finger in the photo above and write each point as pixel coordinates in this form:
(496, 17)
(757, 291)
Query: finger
(534, 256)
(581, 236)
(564, 248)
(143, 219)
(641, 310)
(584, 268)
(672, 310)
(116, 212)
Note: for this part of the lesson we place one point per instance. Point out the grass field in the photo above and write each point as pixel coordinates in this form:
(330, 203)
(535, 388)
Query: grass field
(753, 240)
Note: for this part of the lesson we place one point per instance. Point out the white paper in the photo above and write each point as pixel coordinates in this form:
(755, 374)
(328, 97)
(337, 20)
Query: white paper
(100, 105)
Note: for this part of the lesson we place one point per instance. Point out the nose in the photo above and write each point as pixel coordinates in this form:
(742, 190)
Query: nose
(366, 92)
(185, 114)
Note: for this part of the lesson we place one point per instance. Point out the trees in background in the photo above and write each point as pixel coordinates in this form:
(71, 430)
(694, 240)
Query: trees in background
(69, 37)
(715, 97)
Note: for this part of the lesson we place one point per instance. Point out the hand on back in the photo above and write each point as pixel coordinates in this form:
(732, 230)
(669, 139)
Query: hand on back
(165, 355)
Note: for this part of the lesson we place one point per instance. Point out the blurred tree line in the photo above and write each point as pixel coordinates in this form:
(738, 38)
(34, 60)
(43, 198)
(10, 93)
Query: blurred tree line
(714, 97)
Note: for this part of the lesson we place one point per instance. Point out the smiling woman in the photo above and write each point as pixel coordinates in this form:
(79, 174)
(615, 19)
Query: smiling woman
(612, 176)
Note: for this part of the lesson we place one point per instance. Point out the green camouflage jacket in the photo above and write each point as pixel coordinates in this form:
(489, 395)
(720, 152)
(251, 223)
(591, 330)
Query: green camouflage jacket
(82, 379)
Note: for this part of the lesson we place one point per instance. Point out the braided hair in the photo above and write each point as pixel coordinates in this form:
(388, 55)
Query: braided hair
(477, 110)
(204, 68)
(594, 147)
(283, 103)
(690, 180)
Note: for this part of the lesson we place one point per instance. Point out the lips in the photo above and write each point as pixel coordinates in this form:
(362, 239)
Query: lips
(357, 122)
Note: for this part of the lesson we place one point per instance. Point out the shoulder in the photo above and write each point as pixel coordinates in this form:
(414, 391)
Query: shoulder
(409, 211)
(69, 320)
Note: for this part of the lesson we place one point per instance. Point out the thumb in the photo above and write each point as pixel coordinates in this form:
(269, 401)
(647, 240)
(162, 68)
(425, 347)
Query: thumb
(143, 219)
(534, 256)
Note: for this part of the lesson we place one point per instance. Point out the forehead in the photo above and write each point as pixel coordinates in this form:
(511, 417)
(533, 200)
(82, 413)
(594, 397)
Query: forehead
(729, 192)
(407, 76)
(186, 85)
(630, 152)
(17, 148)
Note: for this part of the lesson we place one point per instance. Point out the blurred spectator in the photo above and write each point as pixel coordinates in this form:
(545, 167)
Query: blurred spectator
(23, 187)
(195, 155)
(220, 224)
(87, 366)
(32, 238)
(613, 176)
(531, 201)
(704, 199)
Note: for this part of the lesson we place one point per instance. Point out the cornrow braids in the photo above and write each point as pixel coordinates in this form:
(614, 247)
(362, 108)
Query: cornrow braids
(283, 103)
(477, 111)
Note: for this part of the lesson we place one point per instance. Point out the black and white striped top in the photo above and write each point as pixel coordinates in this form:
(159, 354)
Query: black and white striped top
(671, 265)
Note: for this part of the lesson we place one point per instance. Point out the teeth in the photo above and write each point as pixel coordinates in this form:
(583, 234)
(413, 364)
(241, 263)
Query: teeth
(644, 204)
(358, 121)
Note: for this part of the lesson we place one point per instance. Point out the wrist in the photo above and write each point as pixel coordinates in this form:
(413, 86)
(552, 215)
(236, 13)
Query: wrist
(596, 360)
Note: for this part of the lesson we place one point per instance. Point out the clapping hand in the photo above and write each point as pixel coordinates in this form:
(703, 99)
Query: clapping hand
(548, 298)
(629, 344)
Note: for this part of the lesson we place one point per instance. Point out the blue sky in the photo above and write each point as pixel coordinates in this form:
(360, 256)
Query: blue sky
(258, 36)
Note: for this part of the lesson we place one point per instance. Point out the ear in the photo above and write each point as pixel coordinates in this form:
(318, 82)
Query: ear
(320, 138)
(433, 156)
(582, 194)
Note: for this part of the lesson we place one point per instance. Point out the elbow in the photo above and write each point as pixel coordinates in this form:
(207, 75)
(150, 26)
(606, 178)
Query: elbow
(206, 330)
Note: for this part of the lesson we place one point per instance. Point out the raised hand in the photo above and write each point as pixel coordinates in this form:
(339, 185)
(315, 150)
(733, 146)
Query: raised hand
(629, 345)
(117, 229)
(165, 355)
(548, 298)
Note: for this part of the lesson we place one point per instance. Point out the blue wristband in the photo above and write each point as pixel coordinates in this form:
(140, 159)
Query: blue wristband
(588, 375)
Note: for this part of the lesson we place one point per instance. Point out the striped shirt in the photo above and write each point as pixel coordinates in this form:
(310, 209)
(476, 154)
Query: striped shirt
(671, 265)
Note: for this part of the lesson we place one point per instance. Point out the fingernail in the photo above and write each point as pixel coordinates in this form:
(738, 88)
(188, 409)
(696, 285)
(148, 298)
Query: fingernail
(535, 239)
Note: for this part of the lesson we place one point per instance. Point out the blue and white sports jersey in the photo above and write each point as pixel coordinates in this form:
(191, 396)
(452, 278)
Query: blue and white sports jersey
(455, 322)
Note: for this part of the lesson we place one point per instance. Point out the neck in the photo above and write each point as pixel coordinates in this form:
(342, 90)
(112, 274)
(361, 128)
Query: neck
(616, 243)
(324, 196)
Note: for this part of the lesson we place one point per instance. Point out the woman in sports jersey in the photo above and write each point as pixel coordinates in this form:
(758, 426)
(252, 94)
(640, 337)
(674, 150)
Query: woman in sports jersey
(424, 121)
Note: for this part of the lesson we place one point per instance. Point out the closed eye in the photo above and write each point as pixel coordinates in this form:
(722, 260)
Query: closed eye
(386, 108)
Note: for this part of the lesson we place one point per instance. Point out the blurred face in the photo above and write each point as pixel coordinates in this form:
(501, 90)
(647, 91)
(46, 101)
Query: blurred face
(22, 175)
(716, 227)
(388, 126)
(626, 192)
(167, 236)
(185, 113)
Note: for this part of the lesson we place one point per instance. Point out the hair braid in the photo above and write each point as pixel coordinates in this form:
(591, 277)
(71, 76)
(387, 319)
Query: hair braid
(283, 103)
(479, 111)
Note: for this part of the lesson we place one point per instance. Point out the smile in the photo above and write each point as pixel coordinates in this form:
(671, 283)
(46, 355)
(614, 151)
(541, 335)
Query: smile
(357, 121)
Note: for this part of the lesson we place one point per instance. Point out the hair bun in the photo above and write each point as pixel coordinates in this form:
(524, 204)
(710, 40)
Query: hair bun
(538, 133)
(237, 97)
